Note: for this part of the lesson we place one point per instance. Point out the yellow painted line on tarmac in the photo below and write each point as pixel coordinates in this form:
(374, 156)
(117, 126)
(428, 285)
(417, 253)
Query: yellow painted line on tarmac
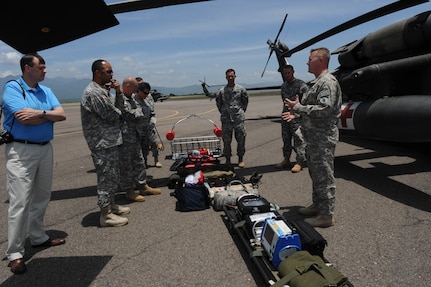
(174, 114)
(207, 112)
(171, 114)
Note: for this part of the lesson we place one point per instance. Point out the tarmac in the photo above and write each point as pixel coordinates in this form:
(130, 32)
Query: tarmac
(382, 214)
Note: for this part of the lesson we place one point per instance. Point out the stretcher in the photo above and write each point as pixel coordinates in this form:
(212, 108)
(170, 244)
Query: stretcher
(247, 235)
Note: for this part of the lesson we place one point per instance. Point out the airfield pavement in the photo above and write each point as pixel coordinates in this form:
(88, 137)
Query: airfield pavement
(382, 214)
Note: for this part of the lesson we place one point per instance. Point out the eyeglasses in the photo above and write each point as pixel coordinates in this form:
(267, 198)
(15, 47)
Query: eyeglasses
(146, 93)
(109, 71)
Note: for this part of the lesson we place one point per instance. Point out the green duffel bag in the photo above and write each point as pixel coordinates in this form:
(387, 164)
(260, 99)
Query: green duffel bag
(301, 269)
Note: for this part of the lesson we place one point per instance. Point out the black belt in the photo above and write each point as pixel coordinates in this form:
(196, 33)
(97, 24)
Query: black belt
(30, 142)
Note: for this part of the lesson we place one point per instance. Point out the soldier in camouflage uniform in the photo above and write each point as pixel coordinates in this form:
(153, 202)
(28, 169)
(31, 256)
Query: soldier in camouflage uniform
(132, 167)
(320, 110)
(100, 119)
(154, 137)
(232, 102)
(147, 124)
(291, 130)
(152, 140)
(143, 137)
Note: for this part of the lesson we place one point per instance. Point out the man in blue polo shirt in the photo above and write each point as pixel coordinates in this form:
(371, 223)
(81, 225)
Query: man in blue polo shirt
(30, 110)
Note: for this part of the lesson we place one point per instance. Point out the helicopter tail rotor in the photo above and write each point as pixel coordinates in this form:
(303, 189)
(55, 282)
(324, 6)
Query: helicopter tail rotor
(204, 83)
(204, 88)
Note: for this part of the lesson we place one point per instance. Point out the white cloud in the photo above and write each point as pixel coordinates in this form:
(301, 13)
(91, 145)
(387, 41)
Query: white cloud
(180, 45)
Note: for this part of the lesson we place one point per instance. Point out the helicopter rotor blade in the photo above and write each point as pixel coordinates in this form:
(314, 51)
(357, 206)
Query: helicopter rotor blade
(210, 86)
(385, 10)
(281, 28)
(136, 5)
(267, 61)
(271, 45)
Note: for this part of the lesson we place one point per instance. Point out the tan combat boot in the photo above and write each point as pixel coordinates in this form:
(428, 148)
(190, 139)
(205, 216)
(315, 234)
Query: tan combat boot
(109, 219)
(241, 162)
(148, 190)
(310, 210)
(296, 168)
(283, 164)
(120, 210)
(323, 220)
(157, 162)
(133, 196)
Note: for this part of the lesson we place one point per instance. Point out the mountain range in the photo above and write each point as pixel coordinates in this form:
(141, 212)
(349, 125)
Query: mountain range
(70, 90)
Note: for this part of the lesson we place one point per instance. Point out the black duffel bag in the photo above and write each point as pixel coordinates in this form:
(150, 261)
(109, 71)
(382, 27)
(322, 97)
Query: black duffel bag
(252, 203)
(192, 198)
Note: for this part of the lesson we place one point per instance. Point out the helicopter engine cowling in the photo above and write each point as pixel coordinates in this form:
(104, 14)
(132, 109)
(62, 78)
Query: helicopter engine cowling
(388, 118)
(405, 38)
(393, 78)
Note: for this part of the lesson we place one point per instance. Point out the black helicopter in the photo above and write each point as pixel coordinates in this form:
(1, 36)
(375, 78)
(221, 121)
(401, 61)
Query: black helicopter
(57, 25)
(385, 76)
(158, 96)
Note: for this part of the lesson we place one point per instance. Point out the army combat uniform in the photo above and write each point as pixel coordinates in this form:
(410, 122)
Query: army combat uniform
(232, 104)
(320, 110)
(132, 167)
(100, 118)
(291, 130)
(149, 137)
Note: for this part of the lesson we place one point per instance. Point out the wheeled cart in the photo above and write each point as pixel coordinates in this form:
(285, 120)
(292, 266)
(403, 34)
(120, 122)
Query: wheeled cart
(182, 147)
(197, 151)
(191, 154)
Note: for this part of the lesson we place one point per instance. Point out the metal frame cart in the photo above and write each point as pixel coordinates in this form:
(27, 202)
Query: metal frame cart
(201, 150)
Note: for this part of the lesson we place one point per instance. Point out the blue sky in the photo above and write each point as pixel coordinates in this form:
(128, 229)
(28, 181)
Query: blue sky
(179, 45)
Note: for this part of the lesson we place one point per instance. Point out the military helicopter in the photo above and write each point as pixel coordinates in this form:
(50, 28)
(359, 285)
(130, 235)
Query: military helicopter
(385, 76)
(57, 26)
(205, 87)
(60, 22)
(158, 96)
